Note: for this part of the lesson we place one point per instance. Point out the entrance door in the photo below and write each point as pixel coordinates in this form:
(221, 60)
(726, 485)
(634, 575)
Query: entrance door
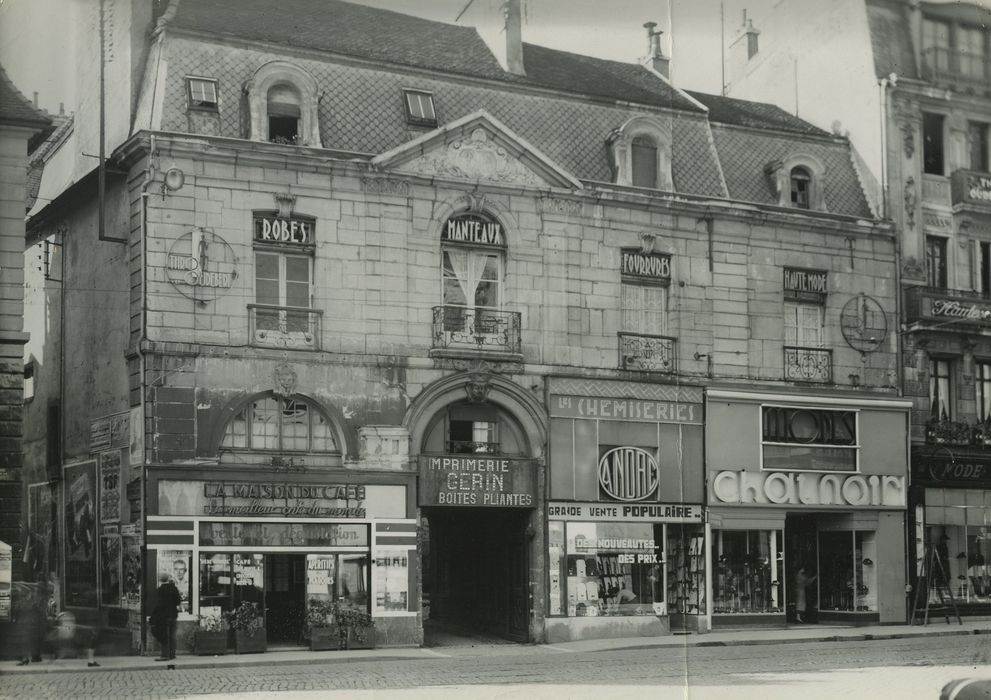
(477, 570)
(285, 592)
(801, 553)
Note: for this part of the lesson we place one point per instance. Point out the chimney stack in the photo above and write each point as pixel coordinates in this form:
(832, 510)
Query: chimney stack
(35, 100)
(514, 37)
(655, 58)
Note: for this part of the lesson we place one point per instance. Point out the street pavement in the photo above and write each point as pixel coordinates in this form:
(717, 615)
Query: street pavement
(808, 663)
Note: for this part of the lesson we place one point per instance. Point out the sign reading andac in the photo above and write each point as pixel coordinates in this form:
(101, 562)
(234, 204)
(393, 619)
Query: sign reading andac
(628, 474)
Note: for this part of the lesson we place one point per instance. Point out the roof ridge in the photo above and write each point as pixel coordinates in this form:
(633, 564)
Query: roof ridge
(29, 113)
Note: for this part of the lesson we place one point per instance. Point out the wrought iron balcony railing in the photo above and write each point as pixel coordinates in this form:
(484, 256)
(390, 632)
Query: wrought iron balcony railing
(647, 353)
(941, 63)
(284, 326)
(809, 364)
(460, 447)
(461, 328)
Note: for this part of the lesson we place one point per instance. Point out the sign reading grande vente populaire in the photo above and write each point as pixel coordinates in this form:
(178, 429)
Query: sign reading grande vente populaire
(809, 438)
(471, 228)
(625, 512)
(745, 488)
(625, 409)
(291, 500)
(650, 267)
(294, 231)
(628, 474)
(477, 480)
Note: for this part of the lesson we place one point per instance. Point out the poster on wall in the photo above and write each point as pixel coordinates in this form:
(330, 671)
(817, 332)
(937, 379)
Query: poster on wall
(80, 529)
(110, 567)
(131, 572)
(6, 565)
(110, 487)
(176, 564)
(136, 437)
(37, 560)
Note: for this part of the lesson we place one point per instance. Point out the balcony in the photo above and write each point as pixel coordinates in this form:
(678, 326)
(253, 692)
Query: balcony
(284, 327)
(947, 306)
(813, 365)
(646, 353)
(944, 65)
(936, 191)
(958, 433)
(477, 330)
(471, 447)
(971, 187)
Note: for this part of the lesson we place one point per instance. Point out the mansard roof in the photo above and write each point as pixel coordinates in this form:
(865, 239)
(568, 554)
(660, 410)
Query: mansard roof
(758, 115)
(891, 38)
(16, 109)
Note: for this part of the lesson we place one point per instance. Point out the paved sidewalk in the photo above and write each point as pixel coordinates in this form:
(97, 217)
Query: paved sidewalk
(793, 634)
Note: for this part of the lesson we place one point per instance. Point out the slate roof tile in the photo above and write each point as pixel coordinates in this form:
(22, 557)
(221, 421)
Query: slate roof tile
(891, 38)
(760, 115)
(15, 108)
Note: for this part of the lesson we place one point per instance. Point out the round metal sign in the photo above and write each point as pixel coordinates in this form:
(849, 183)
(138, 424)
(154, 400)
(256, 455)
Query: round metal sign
(628, 474)
(201, 265)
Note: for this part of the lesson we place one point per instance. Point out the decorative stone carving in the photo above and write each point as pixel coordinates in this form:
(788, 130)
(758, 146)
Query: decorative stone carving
(476, 157)
(284, 204)
(911, 199)
(908, 138)
(476, 202)
(284, 377)
(556, 205)
(647, 241)
(478, 388)
(385, 185)
(383, 447)
(913, 269)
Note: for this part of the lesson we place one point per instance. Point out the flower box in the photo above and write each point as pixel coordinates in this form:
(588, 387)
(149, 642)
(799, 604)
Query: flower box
(211, 643)
(324, 638)
(247, 643)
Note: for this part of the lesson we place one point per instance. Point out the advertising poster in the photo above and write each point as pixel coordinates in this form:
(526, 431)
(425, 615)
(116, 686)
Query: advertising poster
(136, 435)
(5, 583)
(177, 563)
(131, 572)
(110, 487)
(110, 567)
(38, 560)
(80, 528)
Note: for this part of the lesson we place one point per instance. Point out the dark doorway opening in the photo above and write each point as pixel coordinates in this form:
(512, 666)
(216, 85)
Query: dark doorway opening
(801, 553)
(285, 593)
(475, 574)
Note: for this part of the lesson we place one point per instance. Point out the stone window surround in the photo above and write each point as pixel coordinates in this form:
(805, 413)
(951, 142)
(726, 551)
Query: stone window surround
(283, 72)
(780, 173)
(621, 146)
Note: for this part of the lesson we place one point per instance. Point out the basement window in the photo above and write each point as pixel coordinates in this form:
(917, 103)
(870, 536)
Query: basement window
(201, 93)
(419, 108)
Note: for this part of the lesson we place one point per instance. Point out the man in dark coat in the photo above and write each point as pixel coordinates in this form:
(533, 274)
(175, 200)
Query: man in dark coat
(164, 616)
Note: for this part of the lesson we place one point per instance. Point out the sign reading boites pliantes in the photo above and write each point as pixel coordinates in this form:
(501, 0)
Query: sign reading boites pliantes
(477, 480)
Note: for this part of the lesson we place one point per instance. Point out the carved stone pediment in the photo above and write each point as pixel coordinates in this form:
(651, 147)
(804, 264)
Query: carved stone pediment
(476, 157)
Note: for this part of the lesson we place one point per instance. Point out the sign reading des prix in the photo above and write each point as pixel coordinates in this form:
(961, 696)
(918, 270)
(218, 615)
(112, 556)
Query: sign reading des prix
(477, 480)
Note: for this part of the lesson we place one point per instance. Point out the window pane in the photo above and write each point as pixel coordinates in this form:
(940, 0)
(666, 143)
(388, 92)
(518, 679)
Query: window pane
(747, 566)
(216, 580)
(557, 565)
(936, 261)
(453, 293)
(267, 292)
(297, 269)
(267, 279)
(644, 162)
(632, 302)
(978, 137)
(644, 309)
(297, 294)
(939, 390)
(983, 380)
(295, 425)
(236, 435)
(265, 425)
(353, 580)
(322, 437)
(932, 143)
(391, 580)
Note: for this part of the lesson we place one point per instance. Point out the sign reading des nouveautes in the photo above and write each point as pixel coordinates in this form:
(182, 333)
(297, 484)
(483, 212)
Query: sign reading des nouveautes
(477, 480)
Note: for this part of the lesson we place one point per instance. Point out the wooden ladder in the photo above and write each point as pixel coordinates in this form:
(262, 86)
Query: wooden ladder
(933, 572)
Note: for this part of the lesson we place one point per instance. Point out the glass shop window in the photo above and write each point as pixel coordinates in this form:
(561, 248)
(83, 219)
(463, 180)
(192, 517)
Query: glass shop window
(747, 570)
(847, 571)
(215, 584)
(965, 552)
(392, 580)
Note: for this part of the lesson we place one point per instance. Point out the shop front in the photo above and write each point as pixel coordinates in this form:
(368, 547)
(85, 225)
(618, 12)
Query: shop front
(807, 501)
(285, 542)
(951, 513)
(625, 526)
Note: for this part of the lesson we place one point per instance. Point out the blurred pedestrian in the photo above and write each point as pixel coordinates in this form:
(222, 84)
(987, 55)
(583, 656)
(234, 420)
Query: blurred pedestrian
(802, 582)
(164, 615)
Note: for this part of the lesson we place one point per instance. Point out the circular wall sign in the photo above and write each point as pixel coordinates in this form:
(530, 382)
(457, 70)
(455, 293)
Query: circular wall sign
(863, 323)
(628, 473)
(201, 265)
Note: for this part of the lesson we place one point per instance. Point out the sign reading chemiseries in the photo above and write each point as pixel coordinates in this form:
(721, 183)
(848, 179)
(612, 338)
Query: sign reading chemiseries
(477, 480)
(626, 409)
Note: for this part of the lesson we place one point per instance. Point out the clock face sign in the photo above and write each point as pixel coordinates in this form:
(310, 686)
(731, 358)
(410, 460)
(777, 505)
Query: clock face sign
(863, 323)
(201, 265)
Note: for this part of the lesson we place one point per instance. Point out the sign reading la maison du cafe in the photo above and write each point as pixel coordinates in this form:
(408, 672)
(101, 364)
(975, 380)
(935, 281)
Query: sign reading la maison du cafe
(477, 480)
(295, 231)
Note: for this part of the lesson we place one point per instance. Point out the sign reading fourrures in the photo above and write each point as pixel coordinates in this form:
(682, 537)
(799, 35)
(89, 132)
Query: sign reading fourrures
(460, 480)
(284, 499)
(626, 409)
(649, 267)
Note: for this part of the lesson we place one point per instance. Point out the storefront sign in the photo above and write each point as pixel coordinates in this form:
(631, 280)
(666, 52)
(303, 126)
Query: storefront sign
(978, 188)
(628, 474)
(109, 432)
(964, 311)
(459, 480)
(952, 467)
(809, 426)
(654, 267)
(805, 285)
(249, 498)
(788, 489)
(625, 512)
(295, 231)
(201, 265)
(625, 409)
(470, 228)
(230, 534)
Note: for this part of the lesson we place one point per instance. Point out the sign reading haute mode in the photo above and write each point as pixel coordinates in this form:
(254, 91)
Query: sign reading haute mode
(477, 480)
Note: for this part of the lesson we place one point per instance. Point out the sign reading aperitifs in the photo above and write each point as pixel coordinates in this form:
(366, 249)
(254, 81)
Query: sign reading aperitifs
(477, 480)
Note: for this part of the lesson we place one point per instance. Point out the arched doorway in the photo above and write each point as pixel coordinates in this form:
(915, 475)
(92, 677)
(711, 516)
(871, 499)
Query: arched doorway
(479, 443)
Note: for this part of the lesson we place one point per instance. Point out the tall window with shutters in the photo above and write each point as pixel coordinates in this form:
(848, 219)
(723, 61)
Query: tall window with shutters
(803, 325)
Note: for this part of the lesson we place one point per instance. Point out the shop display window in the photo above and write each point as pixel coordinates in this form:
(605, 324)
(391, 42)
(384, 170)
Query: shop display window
(607, 569)
(747, 570)
(685, 555)
(847, 571)
(965, 551)
(392, 580)
(215, 583)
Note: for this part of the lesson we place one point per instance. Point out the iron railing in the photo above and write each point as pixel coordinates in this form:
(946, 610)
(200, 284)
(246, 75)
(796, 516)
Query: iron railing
(647, 353)
(284, 326)
(461, 447)
(461, 328)
(809, 364)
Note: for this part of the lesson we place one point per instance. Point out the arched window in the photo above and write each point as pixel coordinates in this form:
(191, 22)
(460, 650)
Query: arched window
(801, 188)
(644, 155)
(283, 113)
(275, 423)
(473, 428)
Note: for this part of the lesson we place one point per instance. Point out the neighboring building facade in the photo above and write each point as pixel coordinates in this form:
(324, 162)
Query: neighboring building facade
(437, 340)
(924, 71)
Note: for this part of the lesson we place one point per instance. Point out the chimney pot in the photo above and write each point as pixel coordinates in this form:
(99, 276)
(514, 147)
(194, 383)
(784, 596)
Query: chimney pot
(655, 58)
(35, 99)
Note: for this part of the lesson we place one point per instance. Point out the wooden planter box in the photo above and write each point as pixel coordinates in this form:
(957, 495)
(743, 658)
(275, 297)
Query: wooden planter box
(211, 643)
(253, 644)
(351, 641)
(324, 638)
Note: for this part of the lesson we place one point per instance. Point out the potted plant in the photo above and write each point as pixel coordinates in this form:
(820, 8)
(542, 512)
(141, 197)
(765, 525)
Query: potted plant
(355, 627)
(211, 632)
(249, 628)
(982, 432)
(948, 432)
(320, 627)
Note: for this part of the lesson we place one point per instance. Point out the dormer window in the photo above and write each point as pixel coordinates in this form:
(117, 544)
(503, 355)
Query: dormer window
(801, 187)
(644, 154)
(419, 108)
(201, 93)
(283, 114)
(641, 151)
